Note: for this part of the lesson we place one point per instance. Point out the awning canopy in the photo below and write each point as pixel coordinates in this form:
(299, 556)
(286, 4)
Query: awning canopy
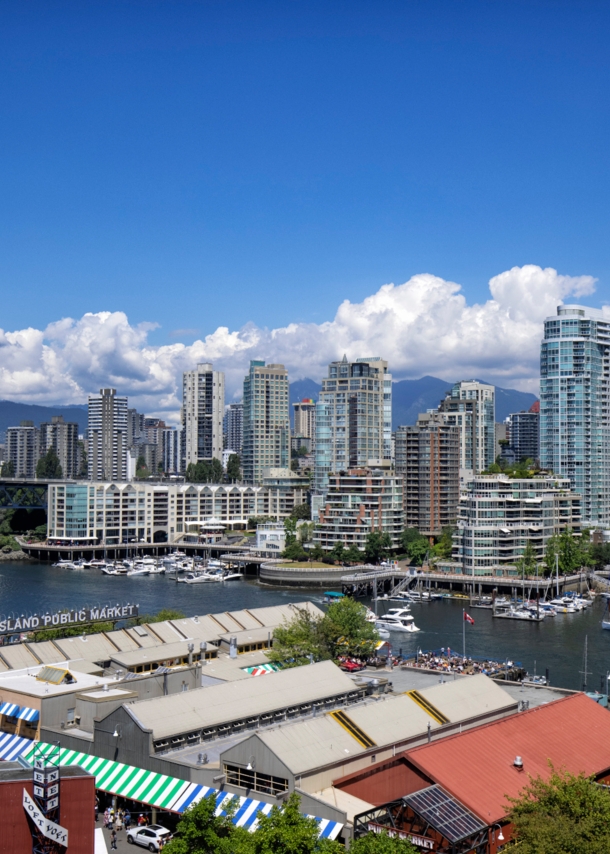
(261, 669)
(168, 793)
(12, 746)
(12, 710)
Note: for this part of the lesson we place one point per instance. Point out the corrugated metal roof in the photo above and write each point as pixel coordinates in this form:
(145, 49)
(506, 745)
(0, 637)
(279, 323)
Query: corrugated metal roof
(144, 638)
(258, 635)
(122, 640)
(466, 698)
(163, 652)
(164, 630)
(391, 719)
(18, 656)
(218, 704)
(201, 628)
(91, 647)
(246, 619)
(477, 766)
(311, 743)
(46, 651)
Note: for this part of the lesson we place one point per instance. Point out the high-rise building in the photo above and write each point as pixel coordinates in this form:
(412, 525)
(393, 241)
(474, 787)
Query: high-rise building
(62, 436)
(470, 405)
(305, 418)
(107, 436)
(234, 427)
(170, 449)
(523, 434)
(135, 427)
(574, 405)
(266, 422)
(203, 406)
(355, 412)
(22, 448)
(428, 459)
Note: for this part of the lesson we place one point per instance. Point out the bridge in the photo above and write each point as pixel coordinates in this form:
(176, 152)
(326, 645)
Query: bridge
(24, 494)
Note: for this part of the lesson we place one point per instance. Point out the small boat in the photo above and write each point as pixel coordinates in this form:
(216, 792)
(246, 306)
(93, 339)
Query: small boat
(198, 578)
(116, 570)
(65, 564)
(518, 613)
(331, 596)
(137, 570)
(402, 596)
(383, 633)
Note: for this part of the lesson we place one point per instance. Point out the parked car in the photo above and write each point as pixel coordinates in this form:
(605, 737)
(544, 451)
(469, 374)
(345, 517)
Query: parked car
(148, 837)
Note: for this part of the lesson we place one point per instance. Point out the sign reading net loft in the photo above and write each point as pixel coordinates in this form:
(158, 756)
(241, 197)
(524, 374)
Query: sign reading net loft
(446, 815)
(42, 810)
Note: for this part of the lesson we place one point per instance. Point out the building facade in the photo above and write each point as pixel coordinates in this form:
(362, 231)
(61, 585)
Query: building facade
(266, 421)
(470, 406)
(574, 405)
(499, 515)
(23, 448)
(305, 418)
(114, 513)
(359, 502)
(62, 436)
(355, 412)
(234, 428)
(523, 434)
(107, 436)
(427, 457)
(203, 406)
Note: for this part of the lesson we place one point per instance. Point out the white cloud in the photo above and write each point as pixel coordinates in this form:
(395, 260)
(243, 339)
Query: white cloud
(423, 326)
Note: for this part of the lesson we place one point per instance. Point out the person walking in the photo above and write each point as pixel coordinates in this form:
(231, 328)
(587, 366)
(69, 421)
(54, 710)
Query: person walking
(127, 819)
(113, 840)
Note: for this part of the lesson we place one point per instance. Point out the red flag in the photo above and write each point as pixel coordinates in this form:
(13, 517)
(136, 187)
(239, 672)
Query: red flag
(468, 618)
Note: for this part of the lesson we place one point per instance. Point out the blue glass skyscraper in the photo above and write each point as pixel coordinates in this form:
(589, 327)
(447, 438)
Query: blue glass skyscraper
(574, 402)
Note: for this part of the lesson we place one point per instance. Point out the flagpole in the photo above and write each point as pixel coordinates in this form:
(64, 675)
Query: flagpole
(464, 632)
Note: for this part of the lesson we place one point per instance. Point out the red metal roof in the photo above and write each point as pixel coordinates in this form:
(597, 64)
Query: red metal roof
(477, 766)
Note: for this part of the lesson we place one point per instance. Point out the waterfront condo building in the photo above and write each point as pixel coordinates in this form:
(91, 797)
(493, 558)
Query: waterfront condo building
(357, 503)
(470, 406)
(427, 457)
(203, 406)
(233, 428)
(575, 403)
(499, 515)
(107, 436)
(144, 511)
(353, 418)
(266, 436)
(62, 436)
(22, 448)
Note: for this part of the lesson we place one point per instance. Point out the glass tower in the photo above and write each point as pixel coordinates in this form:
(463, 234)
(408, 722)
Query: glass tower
(574, 378)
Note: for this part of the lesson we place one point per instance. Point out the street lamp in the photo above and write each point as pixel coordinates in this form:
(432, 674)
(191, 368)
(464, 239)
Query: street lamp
(500, 834)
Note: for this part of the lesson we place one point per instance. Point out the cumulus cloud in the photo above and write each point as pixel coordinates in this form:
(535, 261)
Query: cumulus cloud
(424, 326)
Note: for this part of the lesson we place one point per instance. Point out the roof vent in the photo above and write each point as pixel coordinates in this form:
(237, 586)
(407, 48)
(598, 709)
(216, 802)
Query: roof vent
(518, 763)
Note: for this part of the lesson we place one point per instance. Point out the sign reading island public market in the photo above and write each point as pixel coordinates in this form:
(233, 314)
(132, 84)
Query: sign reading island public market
(57, 619)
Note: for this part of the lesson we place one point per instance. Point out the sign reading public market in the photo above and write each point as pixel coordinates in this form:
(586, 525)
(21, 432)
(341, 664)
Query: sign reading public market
(82, 616)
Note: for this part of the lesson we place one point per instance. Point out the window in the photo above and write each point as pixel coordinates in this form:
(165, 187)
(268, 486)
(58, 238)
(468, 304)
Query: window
(70, 716)
(245, 779)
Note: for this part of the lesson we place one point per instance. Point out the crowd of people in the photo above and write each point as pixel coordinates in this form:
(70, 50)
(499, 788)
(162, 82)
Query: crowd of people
(118, 820)
(449, 661)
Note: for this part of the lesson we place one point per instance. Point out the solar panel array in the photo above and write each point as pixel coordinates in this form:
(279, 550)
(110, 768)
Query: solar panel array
(444, 813)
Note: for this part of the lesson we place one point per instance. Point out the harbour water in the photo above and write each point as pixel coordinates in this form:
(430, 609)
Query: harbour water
(556, 643)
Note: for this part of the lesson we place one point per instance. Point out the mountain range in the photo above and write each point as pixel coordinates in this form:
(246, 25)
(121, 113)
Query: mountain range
(11, 414)
(410, 397)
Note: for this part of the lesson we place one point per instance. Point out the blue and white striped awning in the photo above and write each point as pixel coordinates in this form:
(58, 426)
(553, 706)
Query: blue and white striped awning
(12, 746)
(168, 793)
(12, 710)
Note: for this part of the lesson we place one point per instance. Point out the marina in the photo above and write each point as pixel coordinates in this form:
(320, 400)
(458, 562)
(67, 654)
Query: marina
(555, 644)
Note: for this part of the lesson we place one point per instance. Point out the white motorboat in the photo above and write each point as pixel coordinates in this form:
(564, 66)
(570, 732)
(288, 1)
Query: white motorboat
(397, 620)
(403, 596)
(110, 569)
(383, 633)
(562, 606)
(138, 570)
(231, 576)
(174, 556)
(64, 564)
(518, 613)
(198, 578)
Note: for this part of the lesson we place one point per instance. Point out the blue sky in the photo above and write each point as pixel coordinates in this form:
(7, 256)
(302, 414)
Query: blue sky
(204, 164)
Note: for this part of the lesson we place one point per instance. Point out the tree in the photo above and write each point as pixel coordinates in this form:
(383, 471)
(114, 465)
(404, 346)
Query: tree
(381, 843)
(301, 511)
(295, 641)
(201, 831)
(140, 462)
(529, 559)
(354, 555)
(294, 551)
(347, 630)
(285, 831)
(564, 814)
(337, 552)
(8, 469)
(377, 546)
(205, 471)
(48, 466)
(234, 468)
(444, 547)
(83, 467)
(415, 545)
(572, 552)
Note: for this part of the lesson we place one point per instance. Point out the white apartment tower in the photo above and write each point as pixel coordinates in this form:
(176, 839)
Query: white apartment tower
(107, 436)
(203, 406)
(266, 437)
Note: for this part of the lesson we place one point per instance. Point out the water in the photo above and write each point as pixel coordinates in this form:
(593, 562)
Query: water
(556, 643)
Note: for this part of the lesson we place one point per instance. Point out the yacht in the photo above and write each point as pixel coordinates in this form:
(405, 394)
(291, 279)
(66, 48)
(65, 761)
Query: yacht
(397, 620)
(198, 578)
(64, 564)
(112, 569)
(403, 596)
(138, 570)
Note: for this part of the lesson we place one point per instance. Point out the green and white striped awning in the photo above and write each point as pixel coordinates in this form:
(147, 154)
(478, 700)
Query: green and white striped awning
(167, 793)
